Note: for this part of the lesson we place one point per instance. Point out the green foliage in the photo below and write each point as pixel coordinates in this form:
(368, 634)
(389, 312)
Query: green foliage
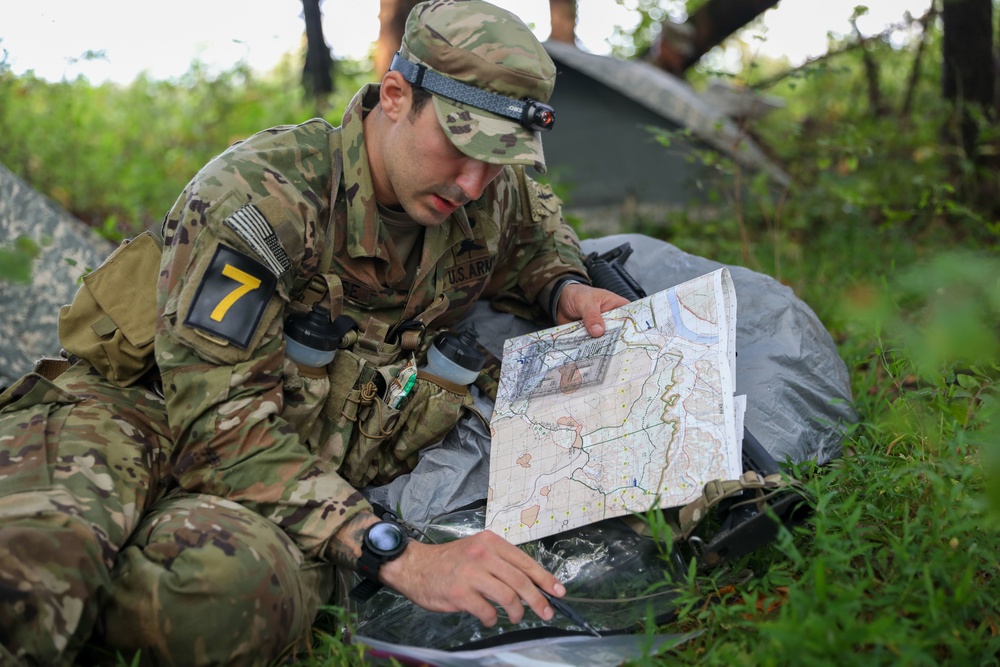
(899, 563)
(627, 42)
(330, 645)
(118, 156)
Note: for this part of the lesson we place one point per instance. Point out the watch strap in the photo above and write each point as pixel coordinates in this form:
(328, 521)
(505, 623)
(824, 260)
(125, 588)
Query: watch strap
(368, 566)
(365, 590)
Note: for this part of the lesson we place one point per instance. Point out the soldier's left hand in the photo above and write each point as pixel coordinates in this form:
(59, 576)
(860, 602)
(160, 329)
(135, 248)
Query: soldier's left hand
(583, 302)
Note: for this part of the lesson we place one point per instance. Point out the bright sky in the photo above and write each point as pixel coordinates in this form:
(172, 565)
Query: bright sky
(163, 38)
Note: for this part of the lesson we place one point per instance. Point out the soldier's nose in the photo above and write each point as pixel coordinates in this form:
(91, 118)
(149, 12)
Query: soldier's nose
(475, 176)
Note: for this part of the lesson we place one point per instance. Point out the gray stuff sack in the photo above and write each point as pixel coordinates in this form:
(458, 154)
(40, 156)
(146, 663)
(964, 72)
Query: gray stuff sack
(798, 392)
(798, 406)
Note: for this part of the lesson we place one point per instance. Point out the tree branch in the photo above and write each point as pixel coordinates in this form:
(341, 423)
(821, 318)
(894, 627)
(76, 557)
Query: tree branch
(911, 84)
(778, 78)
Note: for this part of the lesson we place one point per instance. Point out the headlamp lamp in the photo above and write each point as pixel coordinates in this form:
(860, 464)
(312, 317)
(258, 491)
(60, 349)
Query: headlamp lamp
(534, 115)
(537, 116)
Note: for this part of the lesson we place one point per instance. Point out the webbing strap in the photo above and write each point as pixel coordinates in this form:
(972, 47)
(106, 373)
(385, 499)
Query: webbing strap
(324, 288)
(337, 155)
(411, 339)
(718, 490)
(324, 284)
(50, 368)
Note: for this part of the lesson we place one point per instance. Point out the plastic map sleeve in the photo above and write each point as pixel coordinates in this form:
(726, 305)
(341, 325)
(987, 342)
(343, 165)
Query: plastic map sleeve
(578, 651)
(587, 429)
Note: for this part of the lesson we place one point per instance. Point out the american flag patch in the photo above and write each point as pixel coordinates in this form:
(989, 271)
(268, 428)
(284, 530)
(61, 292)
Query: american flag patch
(252, 227)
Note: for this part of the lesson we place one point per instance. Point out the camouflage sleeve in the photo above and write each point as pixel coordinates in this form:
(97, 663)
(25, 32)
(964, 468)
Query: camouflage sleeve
(538, 249)
(237, 242)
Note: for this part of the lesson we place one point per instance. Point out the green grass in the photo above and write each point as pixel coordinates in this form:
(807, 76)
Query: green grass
(886, 233)
(900, 562)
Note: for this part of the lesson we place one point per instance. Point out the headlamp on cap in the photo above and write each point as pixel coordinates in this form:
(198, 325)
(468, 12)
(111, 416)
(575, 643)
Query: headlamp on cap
(533, 115)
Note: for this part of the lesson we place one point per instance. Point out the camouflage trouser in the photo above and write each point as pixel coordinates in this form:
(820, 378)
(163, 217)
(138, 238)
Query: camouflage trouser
(95, 547)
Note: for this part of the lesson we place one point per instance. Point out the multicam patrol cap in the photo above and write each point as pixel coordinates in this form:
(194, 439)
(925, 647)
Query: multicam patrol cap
(486, 57)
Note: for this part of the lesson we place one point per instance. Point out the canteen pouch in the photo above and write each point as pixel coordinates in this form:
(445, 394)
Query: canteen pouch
(112, 320)
(372, 442)
(432, 409)
(305, 391)
(360, 421)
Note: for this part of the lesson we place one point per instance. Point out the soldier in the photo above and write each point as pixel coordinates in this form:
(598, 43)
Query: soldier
(191, 505)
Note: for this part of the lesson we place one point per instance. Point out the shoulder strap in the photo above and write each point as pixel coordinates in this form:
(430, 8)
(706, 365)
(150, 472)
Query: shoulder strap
(320, 285)
(337, 156)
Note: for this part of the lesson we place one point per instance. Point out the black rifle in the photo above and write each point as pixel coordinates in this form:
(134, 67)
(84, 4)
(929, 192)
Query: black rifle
(746, 525)
(608, 272)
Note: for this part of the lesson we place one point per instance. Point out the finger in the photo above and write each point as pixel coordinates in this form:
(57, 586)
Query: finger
(536, 600)
(537, 574)
(593, 308)
(493, 588)
(539, 604)
(592, 320)
(512, 605)
(480, 606)
(527, 578)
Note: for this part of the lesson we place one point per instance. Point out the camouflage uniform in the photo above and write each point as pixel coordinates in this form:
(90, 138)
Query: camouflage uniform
(191, 515)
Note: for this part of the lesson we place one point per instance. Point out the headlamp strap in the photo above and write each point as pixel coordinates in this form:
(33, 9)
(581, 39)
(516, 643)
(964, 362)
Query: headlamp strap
(529, 113)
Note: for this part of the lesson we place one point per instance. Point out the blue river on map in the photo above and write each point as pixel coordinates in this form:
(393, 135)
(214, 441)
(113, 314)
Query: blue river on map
(680, 329)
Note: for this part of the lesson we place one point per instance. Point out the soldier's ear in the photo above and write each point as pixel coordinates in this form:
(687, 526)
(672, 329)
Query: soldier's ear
(395, 95)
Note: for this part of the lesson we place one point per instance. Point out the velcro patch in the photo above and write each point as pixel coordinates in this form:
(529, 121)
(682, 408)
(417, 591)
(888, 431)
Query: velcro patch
(231, 297)
(543, 200)
(251, 226)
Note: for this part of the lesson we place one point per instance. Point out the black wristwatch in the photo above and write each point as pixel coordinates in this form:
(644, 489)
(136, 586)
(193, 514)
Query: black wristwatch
(383, 541)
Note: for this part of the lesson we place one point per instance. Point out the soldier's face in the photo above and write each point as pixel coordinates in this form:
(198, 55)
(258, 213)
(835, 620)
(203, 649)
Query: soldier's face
(426, 174)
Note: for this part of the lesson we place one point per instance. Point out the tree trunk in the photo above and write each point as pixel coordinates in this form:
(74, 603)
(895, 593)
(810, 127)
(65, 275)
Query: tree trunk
(968, 72)
(392, 19)
(317, 72)
(875, 102)
(911, 86)
(681, 45)
(563, 18)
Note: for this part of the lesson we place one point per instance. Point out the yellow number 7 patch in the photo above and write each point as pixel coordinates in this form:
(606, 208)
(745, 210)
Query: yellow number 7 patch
(247, 284)
(232, 296)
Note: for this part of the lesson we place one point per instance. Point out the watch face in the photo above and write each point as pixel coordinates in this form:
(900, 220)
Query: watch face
(385, 538)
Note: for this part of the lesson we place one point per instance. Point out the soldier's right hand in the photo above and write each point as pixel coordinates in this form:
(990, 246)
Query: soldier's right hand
(470, 574)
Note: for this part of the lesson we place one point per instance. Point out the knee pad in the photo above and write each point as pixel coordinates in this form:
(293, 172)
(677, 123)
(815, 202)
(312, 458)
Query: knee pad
(205, 581)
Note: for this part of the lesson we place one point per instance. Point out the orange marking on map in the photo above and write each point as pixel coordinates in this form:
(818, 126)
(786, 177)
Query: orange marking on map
(576, 426)
(530, 515)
